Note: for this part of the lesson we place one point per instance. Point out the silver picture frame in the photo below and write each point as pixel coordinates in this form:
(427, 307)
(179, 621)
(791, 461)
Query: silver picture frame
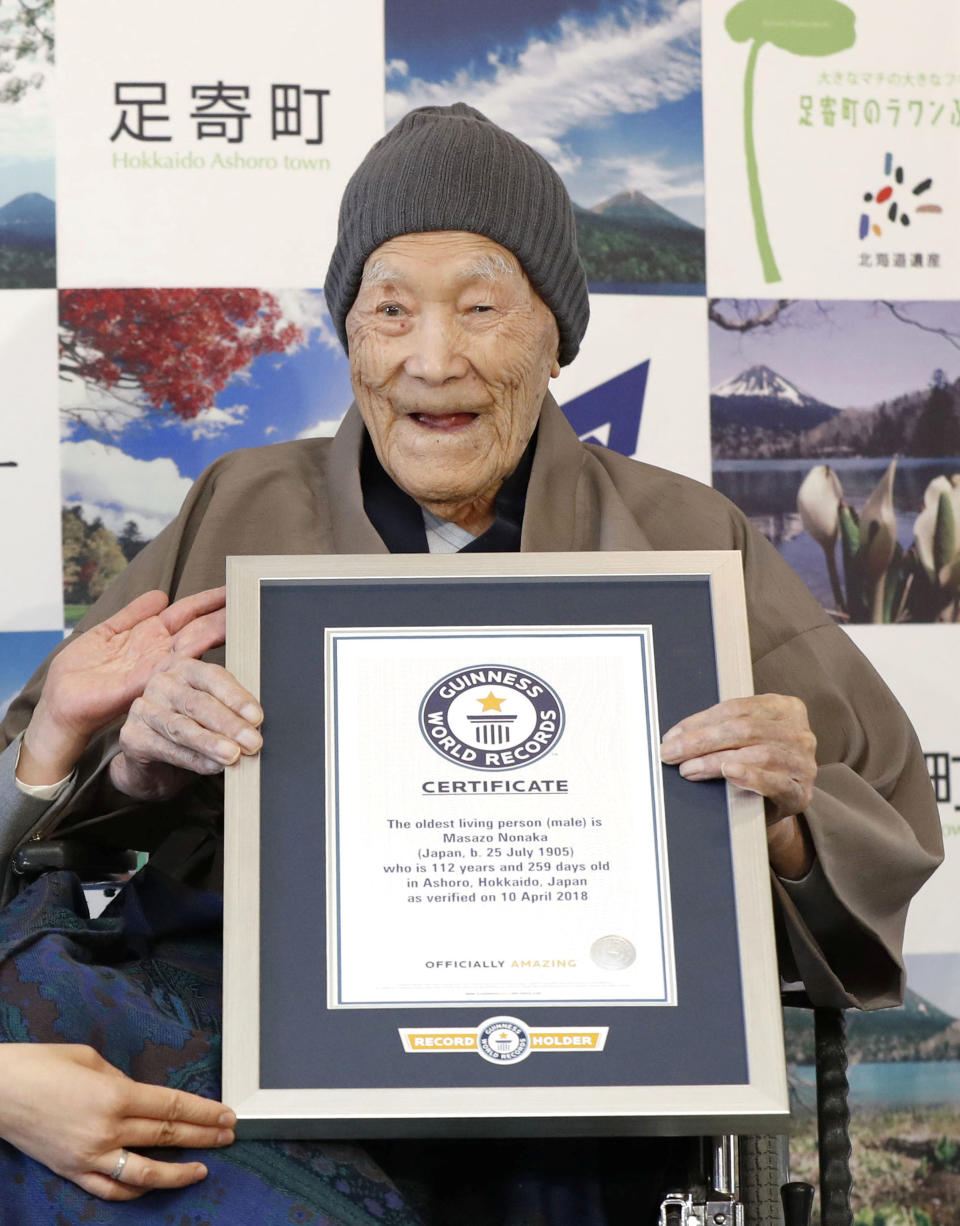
(467, 1102)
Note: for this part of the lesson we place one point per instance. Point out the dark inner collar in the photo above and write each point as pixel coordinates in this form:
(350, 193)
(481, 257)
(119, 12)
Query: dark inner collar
(399, 520)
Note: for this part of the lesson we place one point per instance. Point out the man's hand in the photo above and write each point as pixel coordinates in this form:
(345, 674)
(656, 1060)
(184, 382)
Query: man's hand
(193, 718)
(65, 1106)
(96, 676)
(763, 744)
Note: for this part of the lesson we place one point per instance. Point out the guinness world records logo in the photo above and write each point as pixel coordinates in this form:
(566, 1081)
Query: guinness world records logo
(492, 717)
(503, 1040)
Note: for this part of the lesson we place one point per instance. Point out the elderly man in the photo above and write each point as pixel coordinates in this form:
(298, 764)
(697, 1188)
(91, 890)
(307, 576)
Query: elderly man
(457, 290)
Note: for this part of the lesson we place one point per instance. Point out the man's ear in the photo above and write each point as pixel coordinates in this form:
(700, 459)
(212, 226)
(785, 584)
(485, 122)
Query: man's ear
(555, 368)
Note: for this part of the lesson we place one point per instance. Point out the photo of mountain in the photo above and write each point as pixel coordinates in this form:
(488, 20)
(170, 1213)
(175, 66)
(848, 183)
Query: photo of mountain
(835, 426)
(27, 192)
(630, 240)
(609, 93)
(28, 242)
(917, 1031)
(760, 412)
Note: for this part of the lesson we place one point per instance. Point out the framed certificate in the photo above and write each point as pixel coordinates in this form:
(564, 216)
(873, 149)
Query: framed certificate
(463, 896)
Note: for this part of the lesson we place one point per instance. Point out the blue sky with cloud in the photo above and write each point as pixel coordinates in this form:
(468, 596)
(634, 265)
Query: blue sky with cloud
(21, 175)
(20, 653)
(609, 93)
(27, 136)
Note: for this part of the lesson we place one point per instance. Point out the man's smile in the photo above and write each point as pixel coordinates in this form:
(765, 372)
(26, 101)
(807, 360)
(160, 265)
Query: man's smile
(444, 421)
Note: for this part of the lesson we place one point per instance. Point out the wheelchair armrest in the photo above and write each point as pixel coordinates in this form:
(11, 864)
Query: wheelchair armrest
(89, 861)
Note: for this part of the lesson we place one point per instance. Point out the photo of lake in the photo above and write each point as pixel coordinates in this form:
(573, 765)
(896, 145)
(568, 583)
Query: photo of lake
(766, 491)
(907, 1084)
(835, 427)
(904, 1078)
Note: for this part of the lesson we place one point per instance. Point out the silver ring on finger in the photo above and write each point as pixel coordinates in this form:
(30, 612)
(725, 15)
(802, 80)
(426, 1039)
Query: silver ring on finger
(117, 1171)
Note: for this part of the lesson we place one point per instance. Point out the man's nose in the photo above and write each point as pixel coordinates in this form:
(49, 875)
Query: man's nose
(436, 353)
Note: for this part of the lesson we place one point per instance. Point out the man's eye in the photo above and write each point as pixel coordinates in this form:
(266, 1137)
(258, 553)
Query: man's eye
(480, 308)
(392, 310)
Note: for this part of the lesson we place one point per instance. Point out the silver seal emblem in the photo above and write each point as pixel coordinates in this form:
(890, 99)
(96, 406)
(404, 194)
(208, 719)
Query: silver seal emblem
(613, 953)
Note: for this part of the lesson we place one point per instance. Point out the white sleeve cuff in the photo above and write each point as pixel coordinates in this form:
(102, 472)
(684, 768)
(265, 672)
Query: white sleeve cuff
(42, 791)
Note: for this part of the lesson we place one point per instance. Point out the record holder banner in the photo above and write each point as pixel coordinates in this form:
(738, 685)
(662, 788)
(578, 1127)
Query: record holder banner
(459, 841)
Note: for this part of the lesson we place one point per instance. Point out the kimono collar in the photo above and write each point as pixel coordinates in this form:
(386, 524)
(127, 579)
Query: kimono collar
(569, 501)
(399, 520)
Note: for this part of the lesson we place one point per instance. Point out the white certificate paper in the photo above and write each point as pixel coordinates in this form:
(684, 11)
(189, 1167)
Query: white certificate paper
(495, 823)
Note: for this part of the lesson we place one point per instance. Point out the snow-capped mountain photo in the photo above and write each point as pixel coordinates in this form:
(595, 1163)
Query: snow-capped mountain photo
(758, 405)
(762, 382)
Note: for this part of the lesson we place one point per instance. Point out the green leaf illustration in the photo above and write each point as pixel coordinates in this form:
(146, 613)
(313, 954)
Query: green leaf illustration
(802, 27)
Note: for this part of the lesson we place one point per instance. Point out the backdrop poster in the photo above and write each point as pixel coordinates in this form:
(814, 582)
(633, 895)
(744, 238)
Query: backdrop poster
(29, 494)
(830, 135)
(609, 93)
(640, 382)
(213, 142)
(27, 211)
(835, 427)
(156, 384)
(922, 668)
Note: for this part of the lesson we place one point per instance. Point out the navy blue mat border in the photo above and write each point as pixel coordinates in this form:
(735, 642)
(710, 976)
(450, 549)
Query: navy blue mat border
(700, 1041)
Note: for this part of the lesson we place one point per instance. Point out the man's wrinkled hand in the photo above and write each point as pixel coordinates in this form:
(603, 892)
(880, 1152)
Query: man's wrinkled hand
(764, 744)
(97, 675)
(193, 718)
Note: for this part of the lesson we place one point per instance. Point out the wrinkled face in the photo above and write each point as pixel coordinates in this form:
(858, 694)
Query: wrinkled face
(451, 350)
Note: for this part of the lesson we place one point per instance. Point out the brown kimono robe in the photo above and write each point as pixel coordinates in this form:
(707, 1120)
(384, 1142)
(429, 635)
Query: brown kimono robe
(873, 819)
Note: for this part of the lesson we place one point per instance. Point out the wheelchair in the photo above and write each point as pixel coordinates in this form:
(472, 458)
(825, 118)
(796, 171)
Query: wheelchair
(735, 1181)
(745, 1180)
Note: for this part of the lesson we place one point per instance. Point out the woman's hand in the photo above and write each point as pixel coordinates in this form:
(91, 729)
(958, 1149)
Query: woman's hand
(96, 677)
(65, 1106)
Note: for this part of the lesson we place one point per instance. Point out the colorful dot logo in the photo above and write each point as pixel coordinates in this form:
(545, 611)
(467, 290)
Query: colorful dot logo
(893, 202)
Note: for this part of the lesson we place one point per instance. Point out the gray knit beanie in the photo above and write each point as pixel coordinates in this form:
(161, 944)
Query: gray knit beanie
(450, 168)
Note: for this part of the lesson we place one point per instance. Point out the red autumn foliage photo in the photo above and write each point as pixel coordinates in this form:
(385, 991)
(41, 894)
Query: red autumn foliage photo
(176, 347)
